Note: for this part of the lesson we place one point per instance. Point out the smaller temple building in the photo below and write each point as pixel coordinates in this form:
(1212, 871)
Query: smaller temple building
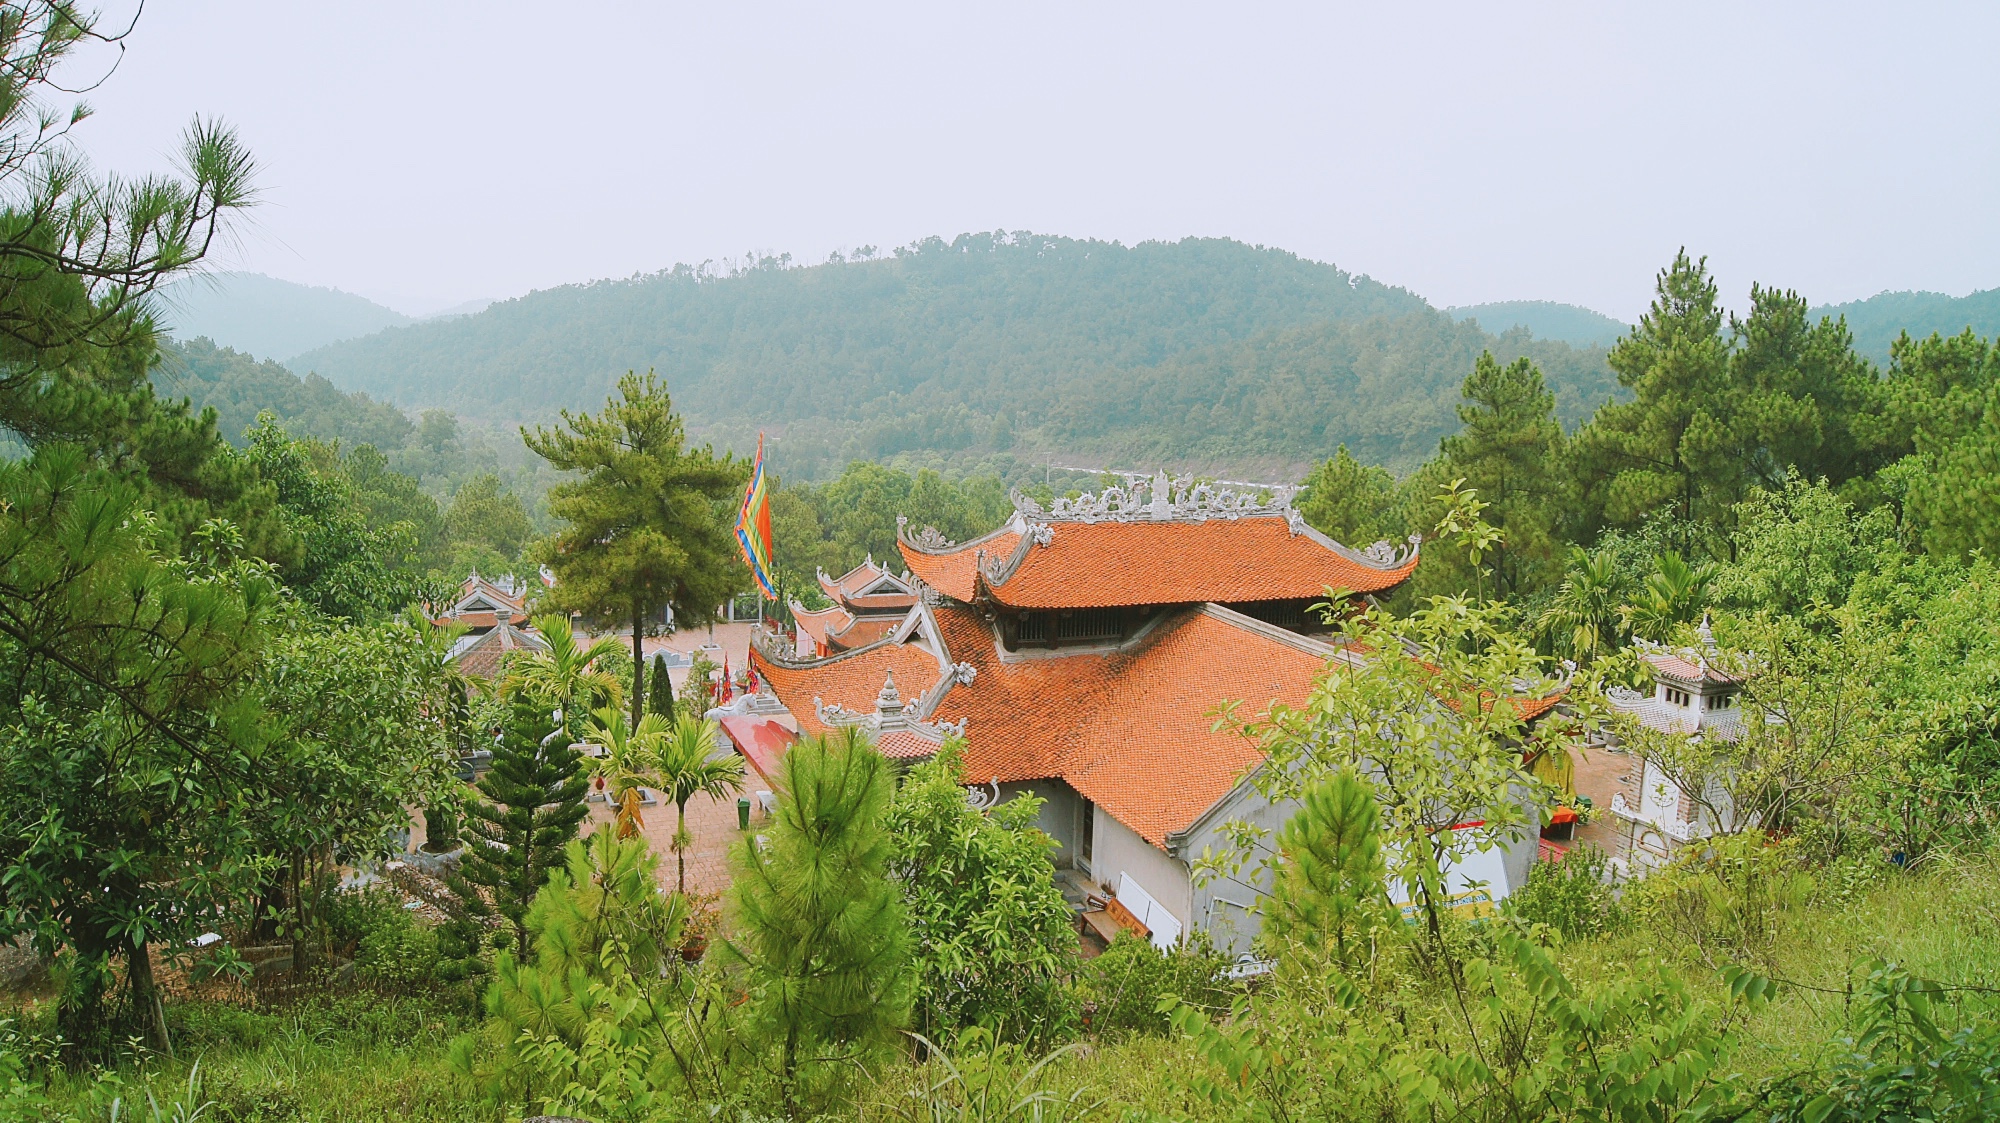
(1692, 697)
(489, 611)
(866, 604)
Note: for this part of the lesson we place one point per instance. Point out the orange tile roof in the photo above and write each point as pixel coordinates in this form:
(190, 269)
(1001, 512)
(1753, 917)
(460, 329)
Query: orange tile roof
(817, 623)
(852, 679)
(1131, 730)
(951, 573)
(1106, 564)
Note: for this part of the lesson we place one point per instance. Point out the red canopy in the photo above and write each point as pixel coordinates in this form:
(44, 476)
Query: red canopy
(761, 741)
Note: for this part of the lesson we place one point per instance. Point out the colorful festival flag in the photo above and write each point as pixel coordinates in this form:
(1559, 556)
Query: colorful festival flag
(753, 526)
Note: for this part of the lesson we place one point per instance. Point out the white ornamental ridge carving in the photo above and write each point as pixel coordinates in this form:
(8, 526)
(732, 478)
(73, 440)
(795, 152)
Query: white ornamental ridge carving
(931, 538)
(963, 673)
(1160, 499)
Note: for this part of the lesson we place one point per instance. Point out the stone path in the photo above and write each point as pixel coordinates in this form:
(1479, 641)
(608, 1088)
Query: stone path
(713, 824)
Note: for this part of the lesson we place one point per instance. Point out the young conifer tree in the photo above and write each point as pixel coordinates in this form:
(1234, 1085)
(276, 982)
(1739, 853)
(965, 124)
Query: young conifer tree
(533, 801)
(821, 927)
(1329, 900)
(660, 692)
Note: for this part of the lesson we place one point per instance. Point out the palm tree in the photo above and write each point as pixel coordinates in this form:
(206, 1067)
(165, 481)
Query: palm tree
(568, 675)
(1583, 617)
(629, 761)
(1675, 593)
(686, 767)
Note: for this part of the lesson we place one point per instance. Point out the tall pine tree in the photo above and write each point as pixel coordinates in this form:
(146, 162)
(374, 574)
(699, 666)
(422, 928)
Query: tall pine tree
(533, 801)
(1511, 451)
(647, 518)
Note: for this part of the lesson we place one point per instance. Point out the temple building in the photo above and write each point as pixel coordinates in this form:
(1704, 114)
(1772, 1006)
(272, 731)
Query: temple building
(1690, 697)
(866, 604)
(1081, 652)
(488, 610)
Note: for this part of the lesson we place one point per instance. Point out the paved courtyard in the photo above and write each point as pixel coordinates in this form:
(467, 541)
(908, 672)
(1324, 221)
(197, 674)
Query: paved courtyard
(713, 824)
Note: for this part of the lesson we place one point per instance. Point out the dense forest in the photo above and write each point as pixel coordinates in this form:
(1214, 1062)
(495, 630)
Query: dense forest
(266, 317)
(984, 343)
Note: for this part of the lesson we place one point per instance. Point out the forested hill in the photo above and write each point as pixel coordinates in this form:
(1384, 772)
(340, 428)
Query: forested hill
(1878, 320)
(1203, 348)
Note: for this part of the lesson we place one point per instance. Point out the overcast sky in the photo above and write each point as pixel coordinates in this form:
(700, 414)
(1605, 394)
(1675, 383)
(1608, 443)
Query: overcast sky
(424, 153)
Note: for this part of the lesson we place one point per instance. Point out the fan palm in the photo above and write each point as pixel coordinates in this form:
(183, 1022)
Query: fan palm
(686, 767)
(1584, 616)
(568, 675)
(630, 758)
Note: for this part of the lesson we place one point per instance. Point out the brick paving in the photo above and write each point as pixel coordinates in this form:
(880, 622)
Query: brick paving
(713, 824)
(1601, 773)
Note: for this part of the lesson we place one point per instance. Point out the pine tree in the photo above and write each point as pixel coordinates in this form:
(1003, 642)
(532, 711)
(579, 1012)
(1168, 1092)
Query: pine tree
(646, 523)
(533, 801)
(1351, 502)
(821, 927)
(1328, 901)
(660, 692)
(1511, 451)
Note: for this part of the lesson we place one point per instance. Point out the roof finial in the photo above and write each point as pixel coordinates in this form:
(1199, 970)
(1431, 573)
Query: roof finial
(1163, 500)
(889, 704)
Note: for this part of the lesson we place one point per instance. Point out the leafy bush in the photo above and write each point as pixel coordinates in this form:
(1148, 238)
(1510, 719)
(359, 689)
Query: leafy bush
(1571, 895)
(398, 956)
(1122, 988)
(1724, 896)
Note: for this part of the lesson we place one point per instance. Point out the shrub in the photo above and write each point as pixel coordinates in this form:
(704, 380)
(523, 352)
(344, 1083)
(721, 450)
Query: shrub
(1725, 895)
(1572, 895)
(1122, 988)
(397, 956)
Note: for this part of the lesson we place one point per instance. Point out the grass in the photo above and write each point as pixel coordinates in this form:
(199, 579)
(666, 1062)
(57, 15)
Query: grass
(366, 1057)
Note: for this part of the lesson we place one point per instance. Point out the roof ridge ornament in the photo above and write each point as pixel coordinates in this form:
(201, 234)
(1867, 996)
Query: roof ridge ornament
(1160, 498)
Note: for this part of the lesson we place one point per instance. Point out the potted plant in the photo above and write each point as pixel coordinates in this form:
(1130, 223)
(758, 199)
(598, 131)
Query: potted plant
(704, 917)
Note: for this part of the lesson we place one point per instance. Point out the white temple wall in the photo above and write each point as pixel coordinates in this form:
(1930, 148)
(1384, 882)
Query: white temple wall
(1057, 817)
(1118, 850)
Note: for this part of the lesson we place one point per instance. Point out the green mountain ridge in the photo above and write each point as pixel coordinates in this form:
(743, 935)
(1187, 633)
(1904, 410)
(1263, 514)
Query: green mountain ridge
(1878, 320)
(1202, 348)
(1567, 323)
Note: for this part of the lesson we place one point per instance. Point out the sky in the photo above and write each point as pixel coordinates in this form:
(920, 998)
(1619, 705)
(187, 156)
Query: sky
(428, 153)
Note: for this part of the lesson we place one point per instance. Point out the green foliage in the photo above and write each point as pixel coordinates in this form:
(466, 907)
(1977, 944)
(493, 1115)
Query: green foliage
(646, 526)
(660, 691)
(583, 1027)
(239, 388)
(1122, 989)
(1353, 503)
(1512, 453)
(1898, 1064)
(1572, 895)
(821, 934)
(1717, 415)
(532, 802)
(1583, 620)
(344, 567)
(686, 764)
(974, 1083)
(1676, 593)
(1327, 903)
(992, 939)
(571, 675)
(1724, 898)
(129, 766)
(488, 523)
(1437, 737)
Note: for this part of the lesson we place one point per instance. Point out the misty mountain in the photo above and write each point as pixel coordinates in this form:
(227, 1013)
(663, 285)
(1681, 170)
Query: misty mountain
(267, 317)
(1547, 319)
(1878, 320)
(1203, 347)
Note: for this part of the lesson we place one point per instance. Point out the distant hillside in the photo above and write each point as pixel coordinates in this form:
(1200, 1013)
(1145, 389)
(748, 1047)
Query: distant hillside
(266, 317)
(1203, 346)
(1878, 320)
(1569, 323)
(240, 387)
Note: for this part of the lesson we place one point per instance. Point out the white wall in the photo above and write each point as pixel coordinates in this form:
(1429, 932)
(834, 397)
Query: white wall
(1117, 849)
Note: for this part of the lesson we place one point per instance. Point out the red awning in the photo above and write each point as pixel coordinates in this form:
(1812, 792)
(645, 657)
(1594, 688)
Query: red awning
(1562, 815)
(761, 741)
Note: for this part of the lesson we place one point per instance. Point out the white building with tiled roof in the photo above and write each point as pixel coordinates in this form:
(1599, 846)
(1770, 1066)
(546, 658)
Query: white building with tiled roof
(1691, 697)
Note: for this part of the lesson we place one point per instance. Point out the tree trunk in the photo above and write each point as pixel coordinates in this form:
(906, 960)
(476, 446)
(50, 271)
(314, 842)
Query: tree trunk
(146, 998)
(638, 674)
(298, 917)
(680, 845)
